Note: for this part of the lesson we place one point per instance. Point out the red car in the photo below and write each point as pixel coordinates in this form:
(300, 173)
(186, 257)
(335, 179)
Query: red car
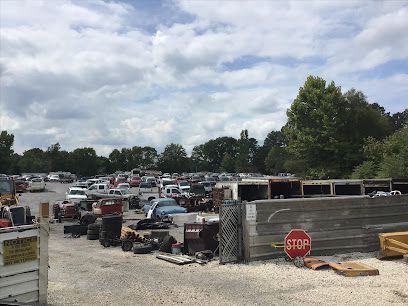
(107, 206)
(21, 185)
(135, 181)
(119, 180)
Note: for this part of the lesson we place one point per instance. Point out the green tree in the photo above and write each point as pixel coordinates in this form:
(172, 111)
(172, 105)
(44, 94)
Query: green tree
(115, 158)
(6, 151)
(366, 170)
(57, 160)
(215, 150)
(33, 160)
(227, 163)
(173, 159)
(395, 157)
(84, 161)
(275, 160)
(327, 129)
(400, 119)
(273, 139)
(247, 148)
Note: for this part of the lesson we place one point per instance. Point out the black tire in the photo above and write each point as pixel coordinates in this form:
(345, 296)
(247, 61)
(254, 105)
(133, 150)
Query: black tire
(88, 219)
(165, 246)
(140, 248)
(106, 243)
(127, 245)
(94, 226)
(93, 232)
(92, 237)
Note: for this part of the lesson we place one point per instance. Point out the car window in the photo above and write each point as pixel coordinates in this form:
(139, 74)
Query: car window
(167, 203)
(117, 192)
(101, 187)
(175, 191)
(77, 192)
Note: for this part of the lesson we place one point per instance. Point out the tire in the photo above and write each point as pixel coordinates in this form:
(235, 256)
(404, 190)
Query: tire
(92, 237)
(127, 245)
(106, 243)
(166, 244)
(88, 219)
(140, 248)
(94, 226)
(93, 232)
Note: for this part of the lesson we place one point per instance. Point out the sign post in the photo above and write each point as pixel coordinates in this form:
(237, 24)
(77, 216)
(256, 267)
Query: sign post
(297, 245)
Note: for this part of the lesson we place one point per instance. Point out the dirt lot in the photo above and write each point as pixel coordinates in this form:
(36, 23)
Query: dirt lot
(82, 272)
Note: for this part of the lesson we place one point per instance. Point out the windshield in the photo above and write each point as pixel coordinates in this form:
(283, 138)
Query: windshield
(5, 187)
(184, 184)
(168, 203)
(77, 192)
(125, 191)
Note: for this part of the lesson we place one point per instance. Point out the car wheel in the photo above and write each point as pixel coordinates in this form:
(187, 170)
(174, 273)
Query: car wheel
(127, 245)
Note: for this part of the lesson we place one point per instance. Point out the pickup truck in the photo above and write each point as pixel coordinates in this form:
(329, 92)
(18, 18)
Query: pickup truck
(132, 198)
(173, 191)
(98, 188)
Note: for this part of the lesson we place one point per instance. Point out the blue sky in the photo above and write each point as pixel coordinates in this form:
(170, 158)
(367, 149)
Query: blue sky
(116, 74)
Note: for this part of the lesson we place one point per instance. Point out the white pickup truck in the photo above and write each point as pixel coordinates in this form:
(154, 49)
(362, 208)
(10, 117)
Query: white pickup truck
(98, 188)
(132, 198)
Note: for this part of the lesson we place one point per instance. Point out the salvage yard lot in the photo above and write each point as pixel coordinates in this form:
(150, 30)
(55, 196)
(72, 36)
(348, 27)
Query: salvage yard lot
(82, 272)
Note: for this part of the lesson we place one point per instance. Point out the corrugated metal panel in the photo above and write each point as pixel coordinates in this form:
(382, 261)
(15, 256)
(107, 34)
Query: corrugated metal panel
(336, 225)
(19, 282)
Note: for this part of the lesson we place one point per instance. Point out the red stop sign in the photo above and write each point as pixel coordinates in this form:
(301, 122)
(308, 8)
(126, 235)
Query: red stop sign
(297, 243)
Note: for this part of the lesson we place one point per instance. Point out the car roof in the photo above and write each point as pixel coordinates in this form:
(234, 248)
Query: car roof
(75, 188)
(172, 186)
(164, 200)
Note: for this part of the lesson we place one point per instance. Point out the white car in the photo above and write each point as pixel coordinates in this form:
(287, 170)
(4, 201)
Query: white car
(145, 187)
(54, 178)
(36, 184)
(184, 186)
(123, 186)
(75, 194)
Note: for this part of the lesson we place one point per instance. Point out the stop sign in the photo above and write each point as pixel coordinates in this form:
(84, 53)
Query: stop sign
(297, 243)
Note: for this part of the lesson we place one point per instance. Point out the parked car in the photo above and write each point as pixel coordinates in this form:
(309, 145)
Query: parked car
(123, 186)
(75, 194)
(36, 184)
(54, 178)
(98, 188)
(208, 185)
(132, 198)
(173, 191)
(184, 186)
(119, 180)
(135, 181)
(107, 206)
(145, 187)
(151, 180)
(163, 208)
(21, 185)
(83, 185)
(66, 209)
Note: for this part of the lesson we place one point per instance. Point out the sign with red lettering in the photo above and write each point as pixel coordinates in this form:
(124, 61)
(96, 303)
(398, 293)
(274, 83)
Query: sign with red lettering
(297, 243)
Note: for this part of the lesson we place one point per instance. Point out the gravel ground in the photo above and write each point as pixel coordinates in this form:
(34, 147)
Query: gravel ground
(84, 273)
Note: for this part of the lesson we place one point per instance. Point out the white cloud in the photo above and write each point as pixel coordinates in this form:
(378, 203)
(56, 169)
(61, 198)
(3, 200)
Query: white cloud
(82, 74)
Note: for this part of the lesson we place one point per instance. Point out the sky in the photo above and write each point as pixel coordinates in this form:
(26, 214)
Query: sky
(113, 74)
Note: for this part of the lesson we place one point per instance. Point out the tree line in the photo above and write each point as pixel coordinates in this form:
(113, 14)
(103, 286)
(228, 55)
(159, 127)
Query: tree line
(329, 134)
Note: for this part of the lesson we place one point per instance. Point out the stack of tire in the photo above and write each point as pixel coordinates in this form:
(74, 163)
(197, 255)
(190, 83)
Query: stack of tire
(110, 230)
(93, 231)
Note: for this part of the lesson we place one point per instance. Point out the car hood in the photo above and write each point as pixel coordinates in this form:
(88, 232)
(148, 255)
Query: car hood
(172, 209)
